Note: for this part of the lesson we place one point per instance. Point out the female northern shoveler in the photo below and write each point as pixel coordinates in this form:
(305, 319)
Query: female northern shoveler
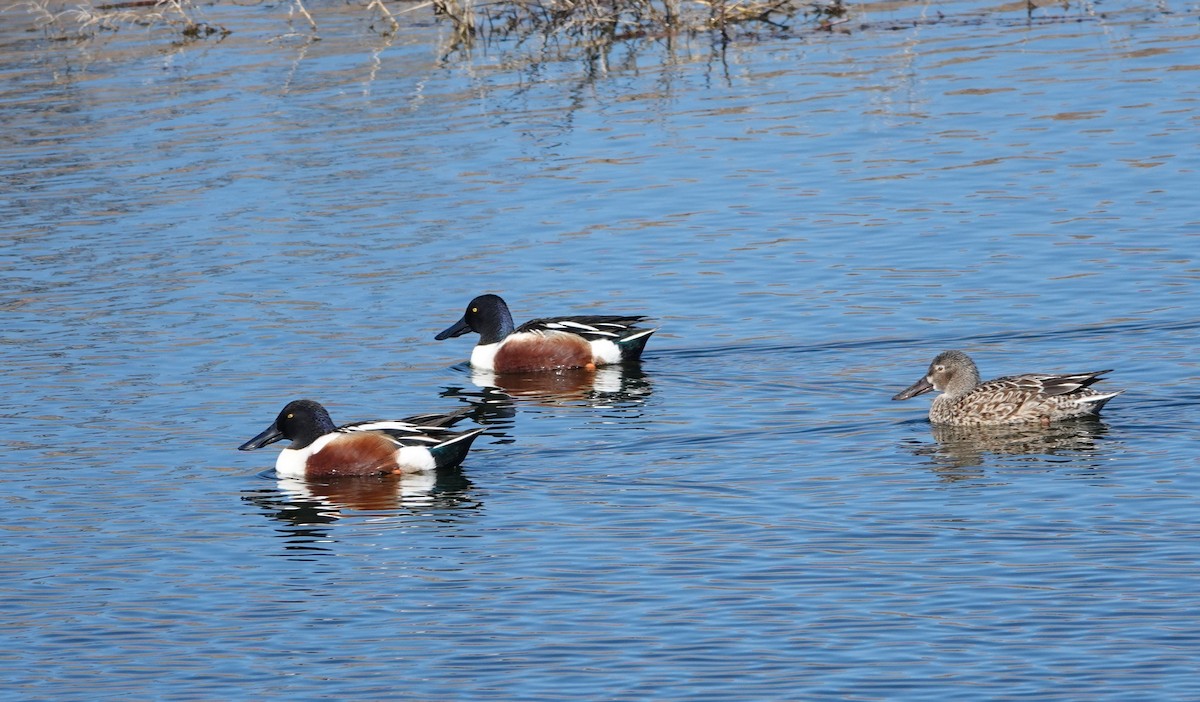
(321, 450)
(1009, 400)
(547, 344)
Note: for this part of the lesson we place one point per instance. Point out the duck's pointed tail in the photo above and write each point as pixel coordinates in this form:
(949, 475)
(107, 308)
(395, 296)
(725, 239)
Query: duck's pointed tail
(1095, 403)
(453, 451)
(633, 345)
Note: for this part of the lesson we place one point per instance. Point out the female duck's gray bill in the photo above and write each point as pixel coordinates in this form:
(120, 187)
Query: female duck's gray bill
(921, 386)
(457, 329)
(269, 436)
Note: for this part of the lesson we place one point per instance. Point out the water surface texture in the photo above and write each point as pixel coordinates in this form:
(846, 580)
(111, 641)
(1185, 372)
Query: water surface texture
(195, 233)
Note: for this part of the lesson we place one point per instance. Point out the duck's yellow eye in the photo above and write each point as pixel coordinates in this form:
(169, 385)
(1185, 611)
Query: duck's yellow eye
(290, 416)
(474, 309)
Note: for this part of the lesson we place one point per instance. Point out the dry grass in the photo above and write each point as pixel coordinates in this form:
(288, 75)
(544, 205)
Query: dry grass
(588, 21)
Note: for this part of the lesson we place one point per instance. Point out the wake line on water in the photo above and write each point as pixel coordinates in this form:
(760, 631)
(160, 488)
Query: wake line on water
(1086, 331)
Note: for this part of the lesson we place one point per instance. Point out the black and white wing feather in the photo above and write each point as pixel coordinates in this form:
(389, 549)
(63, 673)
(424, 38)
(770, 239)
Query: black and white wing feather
(418, 430)
(592, 328)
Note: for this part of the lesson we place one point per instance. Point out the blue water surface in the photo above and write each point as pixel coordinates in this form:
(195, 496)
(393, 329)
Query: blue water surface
(195, 233)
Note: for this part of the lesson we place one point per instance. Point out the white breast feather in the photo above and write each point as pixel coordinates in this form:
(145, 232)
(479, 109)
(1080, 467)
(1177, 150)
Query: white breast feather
(484, 355)
(290, 463)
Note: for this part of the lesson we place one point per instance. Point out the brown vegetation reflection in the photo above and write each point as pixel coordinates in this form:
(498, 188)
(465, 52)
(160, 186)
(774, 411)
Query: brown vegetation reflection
(567, 25)
(574, 21)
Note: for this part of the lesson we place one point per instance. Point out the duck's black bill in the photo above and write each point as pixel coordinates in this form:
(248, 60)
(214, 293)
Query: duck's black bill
(269, 436)
(921, 386)
(457, 329)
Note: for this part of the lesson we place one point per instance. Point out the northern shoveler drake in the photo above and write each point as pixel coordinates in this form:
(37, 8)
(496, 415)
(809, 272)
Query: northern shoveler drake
(1034, 397)
(549, 343)
(321, 450)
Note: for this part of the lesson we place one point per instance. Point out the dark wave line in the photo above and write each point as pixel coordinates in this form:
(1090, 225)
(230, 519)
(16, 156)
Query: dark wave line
(1078, 332)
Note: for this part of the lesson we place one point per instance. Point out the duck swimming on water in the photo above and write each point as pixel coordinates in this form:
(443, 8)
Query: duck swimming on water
(1033, 397)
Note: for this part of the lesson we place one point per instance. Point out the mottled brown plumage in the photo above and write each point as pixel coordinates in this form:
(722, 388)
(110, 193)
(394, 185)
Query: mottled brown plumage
(1030, 398)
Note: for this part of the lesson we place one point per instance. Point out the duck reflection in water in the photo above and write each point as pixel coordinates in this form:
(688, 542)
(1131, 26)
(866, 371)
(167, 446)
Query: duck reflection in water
(300, 502)
(606, 386)
(956, 448)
